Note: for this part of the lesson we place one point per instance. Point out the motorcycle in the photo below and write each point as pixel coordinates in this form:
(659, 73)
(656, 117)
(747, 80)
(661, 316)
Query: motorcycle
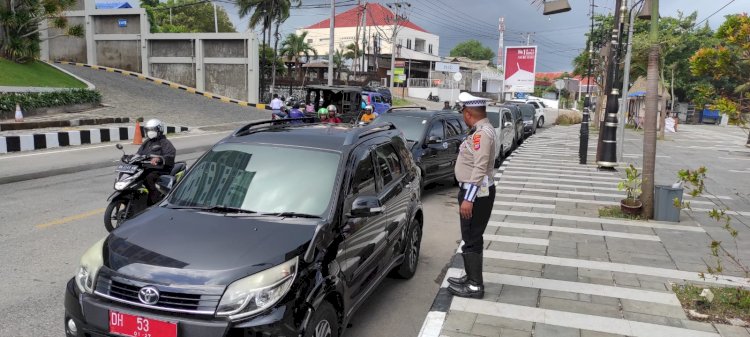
(435, 98)
(131, 195)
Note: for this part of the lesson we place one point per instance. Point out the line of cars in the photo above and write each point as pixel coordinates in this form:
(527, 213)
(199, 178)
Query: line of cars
(280, 229)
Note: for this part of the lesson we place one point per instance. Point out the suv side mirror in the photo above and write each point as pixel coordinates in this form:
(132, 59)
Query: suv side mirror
(365, 206)
(434, 140)
(164, 184)
(508, 124)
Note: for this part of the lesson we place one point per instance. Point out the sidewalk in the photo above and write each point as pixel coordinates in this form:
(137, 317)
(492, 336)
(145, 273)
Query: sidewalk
(552, 267)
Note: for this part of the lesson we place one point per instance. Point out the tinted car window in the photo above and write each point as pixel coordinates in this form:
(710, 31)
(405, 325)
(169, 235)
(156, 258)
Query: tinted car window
(241, 176)
(451, 130)
(527, 111)
(494, 118)
(412, 127)
(456, 124)
(363, 181)
(377, 99)
(388, 163)
(436, 129)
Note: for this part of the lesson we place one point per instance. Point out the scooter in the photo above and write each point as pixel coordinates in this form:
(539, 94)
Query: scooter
(131, 195)
(435, 98)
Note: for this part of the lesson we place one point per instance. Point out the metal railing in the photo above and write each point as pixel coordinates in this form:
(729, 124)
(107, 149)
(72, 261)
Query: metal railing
(432, 83)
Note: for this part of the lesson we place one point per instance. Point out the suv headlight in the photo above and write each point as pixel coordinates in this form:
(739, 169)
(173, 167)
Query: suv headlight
(257, 292)
(91, 261)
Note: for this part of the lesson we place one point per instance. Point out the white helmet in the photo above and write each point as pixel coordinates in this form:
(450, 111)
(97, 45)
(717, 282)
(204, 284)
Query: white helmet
(332, 108)
(153, 128)
(368, 107)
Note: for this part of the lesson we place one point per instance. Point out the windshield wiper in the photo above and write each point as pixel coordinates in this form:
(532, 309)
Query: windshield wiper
(215, 208)
(296, 215)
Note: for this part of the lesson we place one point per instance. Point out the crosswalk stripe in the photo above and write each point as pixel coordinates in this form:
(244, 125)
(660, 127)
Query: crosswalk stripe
(573, 320)
(649, 224)
(544, 198)
(552, 167)
(525, 169)
(537, 162)
(520, 182)
(576, 287)
(598, 179)
(672, 274)
(544, 190)
(524, 204)
(607, 183)
(571, 230)
(516, 239)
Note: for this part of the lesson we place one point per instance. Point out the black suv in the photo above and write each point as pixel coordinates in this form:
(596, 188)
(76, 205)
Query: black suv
(278, 230)
(530, 122)
(434, 137)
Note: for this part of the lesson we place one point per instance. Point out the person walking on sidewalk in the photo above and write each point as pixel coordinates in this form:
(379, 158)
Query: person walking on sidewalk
(475, 173)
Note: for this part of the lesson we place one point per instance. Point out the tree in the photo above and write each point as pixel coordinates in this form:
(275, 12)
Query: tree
(600, 37)
(338, 62)
(20, 26)
(267, 53)
(727, 61)
(296, 46)
(649, 130)
(186, 16)
(472, 49)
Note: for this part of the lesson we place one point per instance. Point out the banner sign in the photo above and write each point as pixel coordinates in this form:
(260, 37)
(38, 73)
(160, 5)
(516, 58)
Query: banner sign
(520, 68)
(447, 67)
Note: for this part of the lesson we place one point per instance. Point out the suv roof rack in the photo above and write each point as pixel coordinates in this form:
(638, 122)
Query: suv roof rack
(363, 131)
(269, 124)
(406, 108)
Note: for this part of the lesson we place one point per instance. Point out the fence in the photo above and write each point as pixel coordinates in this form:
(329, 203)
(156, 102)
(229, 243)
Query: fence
(432, 83)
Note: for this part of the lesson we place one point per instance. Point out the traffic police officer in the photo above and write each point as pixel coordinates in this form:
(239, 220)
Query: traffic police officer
(475, 173)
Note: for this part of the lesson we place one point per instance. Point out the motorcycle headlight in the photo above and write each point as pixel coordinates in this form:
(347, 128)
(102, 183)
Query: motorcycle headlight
(121, 185)
(91, 262)
(257, 292)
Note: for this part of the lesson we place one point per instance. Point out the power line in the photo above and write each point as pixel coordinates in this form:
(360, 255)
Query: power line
(714, 13)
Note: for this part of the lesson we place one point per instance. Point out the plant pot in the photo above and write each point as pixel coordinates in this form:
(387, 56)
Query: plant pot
(630, 206)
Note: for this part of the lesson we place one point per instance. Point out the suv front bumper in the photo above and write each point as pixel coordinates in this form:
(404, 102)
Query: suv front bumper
(91, 317)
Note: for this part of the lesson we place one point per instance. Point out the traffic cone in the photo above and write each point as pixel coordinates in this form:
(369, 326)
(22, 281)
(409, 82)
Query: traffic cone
(19, 113)
(137, 138)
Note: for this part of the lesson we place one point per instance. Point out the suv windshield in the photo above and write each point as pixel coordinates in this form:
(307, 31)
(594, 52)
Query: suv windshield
(260, 178)
(527, 112)
(412, 127)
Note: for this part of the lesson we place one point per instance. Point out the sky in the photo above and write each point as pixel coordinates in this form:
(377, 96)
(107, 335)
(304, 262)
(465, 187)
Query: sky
(559, 37)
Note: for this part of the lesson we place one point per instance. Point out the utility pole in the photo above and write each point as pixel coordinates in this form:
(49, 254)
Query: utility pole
(500, 53)
(356, 39)
(216, 19)
(396, 7)
(330, 43)
(583, 145)
(528, 37)
(649, 128)
(625, 88)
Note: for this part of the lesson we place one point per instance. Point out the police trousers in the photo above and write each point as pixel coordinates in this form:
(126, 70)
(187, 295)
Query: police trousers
(473, 228)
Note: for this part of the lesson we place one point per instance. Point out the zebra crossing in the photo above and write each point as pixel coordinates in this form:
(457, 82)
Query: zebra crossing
(552, 268)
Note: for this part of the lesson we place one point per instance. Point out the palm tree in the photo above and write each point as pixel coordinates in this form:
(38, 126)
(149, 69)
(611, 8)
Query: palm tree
(296, 46)
(338, 63)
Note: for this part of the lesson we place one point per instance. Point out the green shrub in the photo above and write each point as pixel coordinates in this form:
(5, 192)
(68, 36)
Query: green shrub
(568, 118)
(28, 101)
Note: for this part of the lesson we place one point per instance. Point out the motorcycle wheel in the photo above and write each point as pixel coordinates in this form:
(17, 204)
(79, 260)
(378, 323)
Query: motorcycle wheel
(115, 214)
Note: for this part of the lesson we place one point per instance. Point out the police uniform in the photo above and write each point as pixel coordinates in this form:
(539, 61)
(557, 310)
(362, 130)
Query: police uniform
(475, 173)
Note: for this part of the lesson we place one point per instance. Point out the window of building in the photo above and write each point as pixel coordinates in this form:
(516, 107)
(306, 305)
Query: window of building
(408, 44)
(309, 40)
(430, 49)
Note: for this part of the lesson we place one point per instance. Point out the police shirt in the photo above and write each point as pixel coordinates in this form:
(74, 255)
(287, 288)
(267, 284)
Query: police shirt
(475, 168)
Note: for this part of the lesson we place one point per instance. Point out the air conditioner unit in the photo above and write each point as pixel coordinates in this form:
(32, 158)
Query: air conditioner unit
(556, 6)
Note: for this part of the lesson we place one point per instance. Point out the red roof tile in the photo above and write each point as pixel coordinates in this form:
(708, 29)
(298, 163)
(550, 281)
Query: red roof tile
(377, 15)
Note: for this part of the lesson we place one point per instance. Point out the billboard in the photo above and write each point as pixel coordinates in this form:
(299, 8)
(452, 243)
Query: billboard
(520, 68)
(447, 67)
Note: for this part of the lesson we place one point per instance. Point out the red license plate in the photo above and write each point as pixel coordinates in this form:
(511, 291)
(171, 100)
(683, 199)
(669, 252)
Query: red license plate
(138, 326)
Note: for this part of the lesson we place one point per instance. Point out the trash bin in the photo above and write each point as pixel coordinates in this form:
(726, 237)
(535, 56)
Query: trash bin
(664, 209)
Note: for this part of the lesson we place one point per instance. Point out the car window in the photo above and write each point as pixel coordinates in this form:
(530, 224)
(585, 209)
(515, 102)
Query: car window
(436, 129)
(363, 181)
(388, 163)
(450, 130)
(412, 127)
(494, 118)
(536, 106)
(456, 124)
(507, 117)
(377, 99)
(527, 111)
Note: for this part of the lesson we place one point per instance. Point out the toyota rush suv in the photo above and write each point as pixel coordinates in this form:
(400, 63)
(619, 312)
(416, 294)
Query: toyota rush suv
(278, 230)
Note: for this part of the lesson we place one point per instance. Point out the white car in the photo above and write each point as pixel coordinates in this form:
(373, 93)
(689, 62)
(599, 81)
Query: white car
(538, 106)
(502, 120)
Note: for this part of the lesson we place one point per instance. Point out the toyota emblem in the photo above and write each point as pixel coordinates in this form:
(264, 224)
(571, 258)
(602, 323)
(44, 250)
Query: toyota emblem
(149, 295)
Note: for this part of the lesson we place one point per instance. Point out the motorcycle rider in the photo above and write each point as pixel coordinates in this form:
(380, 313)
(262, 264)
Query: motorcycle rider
(154, 130)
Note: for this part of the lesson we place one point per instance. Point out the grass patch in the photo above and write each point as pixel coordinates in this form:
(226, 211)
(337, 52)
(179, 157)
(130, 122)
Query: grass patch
(35, 74)
(568, 118)
(728, 302)
(616, 212)
(401, 102)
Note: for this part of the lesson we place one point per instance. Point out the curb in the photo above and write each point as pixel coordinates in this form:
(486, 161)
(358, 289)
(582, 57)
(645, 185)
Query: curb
(48, 140)
(85, 167)
(170, 84)
(88, 84)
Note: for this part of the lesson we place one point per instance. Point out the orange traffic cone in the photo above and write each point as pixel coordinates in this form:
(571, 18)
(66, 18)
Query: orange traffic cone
(137, 138)
(19, 113)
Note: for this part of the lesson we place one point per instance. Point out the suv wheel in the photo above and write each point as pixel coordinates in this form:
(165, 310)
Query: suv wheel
(499, 158)
(540, 122)
(411, 255)
(323, 323)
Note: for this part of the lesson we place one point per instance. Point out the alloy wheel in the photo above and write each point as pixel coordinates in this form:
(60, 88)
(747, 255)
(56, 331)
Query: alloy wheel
(323, 329)
(414, 248)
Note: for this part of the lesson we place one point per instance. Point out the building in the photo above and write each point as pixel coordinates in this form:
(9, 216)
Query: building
(415, 47)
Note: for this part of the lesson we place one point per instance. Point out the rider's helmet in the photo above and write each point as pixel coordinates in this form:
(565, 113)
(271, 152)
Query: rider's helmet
(323, 112)
(332, 108)
(368, 108)
(153, 128)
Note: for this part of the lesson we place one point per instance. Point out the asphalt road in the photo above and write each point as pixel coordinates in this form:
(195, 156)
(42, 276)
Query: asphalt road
(46, 224)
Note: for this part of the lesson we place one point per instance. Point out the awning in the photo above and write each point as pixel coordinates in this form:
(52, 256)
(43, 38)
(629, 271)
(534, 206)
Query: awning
(112, 5)
(637, 94)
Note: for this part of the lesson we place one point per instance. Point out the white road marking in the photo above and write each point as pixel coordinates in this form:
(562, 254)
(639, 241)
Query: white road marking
(578, 287)
(573, 320)
(526, 169)
(608, 183)
(542, 190)
(580, 176)
(608, 221)
(433, 324)
(524, 204)
(736, 171)
(672, 274)
(545, 198)
(583, 231)
(516, 239)
(506, 181)
(734, 158)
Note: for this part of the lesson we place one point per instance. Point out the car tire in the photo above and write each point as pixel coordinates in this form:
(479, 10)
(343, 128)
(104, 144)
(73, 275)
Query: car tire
(411, 253)
(324, 322)
(540, 122)
(499, 158)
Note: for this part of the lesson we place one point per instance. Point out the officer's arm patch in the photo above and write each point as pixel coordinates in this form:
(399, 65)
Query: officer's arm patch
(477, 140)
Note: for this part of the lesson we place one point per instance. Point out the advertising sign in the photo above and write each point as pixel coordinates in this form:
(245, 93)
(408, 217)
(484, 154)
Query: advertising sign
(446, 67)
(399, 76)
(520, 68)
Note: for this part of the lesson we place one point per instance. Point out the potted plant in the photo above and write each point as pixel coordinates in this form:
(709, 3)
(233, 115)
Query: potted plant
(632, 186)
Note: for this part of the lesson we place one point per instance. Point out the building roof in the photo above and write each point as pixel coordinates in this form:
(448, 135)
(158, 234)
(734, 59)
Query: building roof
(639, 89)
(377, 15)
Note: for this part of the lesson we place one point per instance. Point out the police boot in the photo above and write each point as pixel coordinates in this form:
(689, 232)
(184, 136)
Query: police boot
(474, 285)
(459, 281)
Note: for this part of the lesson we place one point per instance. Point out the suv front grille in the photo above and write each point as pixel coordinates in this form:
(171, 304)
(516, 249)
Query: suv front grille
(195, 301)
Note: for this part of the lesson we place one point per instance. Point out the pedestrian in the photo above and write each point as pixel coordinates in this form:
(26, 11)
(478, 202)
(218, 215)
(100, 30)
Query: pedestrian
(310, 108)
(368, 115)
(475, 173)
(447, 106)
(276, 105)
(332, 118)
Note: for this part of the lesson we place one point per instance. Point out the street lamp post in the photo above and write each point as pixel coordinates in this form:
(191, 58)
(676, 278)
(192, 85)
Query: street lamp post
(583, 144)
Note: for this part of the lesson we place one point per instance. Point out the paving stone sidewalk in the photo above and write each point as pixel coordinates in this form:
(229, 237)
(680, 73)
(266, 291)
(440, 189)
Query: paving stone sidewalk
(553, 267)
